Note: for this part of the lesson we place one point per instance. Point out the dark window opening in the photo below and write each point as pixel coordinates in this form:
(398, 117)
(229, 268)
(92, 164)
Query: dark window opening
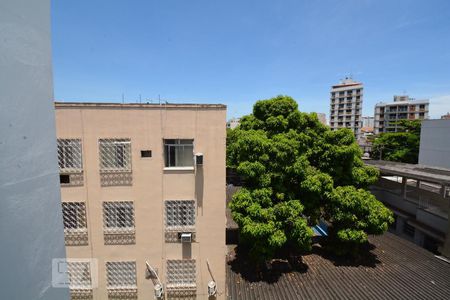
(409, 230)
(431, 244)
(146, 153)
(64, 179)
(120, 155)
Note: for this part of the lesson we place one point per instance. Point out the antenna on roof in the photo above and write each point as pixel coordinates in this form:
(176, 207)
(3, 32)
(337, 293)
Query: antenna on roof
(123, 98)
(140, 98)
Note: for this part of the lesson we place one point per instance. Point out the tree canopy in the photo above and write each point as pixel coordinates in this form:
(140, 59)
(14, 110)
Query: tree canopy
(296, 172)
(402, 146)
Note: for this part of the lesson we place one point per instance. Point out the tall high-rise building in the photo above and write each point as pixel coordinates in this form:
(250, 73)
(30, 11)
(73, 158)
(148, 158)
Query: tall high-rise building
(143, 183)
(346, 105)
(403, 108)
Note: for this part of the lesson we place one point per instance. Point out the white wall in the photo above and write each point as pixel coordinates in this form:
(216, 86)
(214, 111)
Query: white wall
(31, 229)
(435, 143)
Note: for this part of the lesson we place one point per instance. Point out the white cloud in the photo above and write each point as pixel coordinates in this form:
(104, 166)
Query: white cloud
(439, 105)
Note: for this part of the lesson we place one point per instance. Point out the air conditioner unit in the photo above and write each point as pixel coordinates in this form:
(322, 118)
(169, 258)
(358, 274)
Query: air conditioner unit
(159, 292)
(199, 159)
(212, 288)
(186, 237)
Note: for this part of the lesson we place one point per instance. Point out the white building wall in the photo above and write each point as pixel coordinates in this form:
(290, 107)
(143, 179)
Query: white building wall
(31, 229)
(435, 143)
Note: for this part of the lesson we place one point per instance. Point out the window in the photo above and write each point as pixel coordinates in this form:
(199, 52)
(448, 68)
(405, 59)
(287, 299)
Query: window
(179, 153)
(74, 215)
(181, 272)
(79, 273)
(69, 154)
(180, 213)
(146, 153)
(64, 178)
(121, 274)
(118, 215)
(115, 154)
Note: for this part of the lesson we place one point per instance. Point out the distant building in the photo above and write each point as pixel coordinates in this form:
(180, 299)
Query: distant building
(364, 140)
(346, 105)
(403, 108)
(322, 118)
(368, 122)
(446, 117)
(233, 123)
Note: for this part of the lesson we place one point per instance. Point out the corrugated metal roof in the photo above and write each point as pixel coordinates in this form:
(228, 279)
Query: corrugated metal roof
(394, 269)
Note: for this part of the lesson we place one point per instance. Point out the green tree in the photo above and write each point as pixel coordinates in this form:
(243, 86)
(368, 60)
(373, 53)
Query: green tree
(297, 171)
(402, 146)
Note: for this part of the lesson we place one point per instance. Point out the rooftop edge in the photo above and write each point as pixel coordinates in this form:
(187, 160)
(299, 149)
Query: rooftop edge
(60, 104)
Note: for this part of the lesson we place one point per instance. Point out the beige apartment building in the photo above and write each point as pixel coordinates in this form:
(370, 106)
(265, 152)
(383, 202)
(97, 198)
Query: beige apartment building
(346, 100)
(402, 108)
(143, 192)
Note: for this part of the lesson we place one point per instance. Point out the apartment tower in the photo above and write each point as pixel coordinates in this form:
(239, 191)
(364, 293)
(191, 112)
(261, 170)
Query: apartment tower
(402, 108)
(346, 106)
(143, 199)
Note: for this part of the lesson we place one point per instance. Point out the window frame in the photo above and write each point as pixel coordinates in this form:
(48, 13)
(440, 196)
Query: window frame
(120, 161)
(173, 211)
(67, 154)
(115, 216)
(123, 265)
(170, 148)
(176, 273)
(78, 210)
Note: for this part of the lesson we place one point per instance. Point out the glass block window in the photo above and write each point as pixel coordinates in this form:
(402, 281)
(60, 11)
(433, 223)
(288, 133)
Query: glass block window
(115, 154)
(79, 275)
(181, 272)
(121, 274)
(69, 155)
(180, 213)
(74, 216)
(179, 153)
(118, 215)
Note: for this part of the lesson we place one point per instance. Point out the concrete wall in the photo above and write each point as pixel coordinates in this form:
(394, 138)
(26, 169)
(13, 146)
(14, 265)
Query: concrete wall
(147, 126)
(31, 229)
(435, 143)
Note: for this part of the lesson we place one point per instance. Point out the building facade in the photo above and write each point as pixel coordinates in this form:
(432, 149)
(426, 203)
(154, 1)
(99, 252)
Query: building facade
(233, 123)
(31, 230)
(322, 118)
(435, 143)
(368, 122)
(143, 190)
(402, 108)
(446, 116)
(346, 106)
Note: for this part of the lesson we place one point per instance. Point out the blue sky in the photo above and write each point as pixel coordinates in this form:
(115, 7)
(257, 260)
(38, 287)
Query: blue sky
(238, 51)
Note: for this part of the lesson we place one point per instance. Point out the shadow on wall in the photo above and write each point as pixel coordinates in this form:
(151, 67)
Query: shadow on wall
(199, 182)
(187, 250)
